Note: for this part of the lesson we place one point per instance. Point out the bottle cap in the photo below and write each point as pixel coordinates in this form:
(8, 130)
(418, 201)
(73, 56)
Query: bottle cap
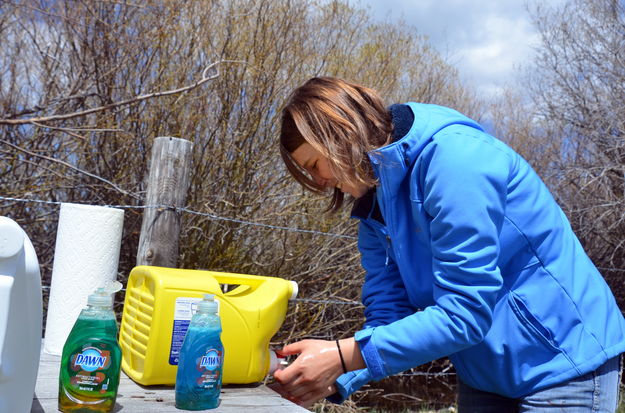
(276, 362)
(103, 296)
(208, 304)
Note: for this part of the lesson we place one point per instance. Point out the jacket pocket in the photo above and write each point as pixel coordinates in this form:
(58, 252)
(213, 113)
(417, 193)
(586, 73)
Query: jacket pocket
(530, 322)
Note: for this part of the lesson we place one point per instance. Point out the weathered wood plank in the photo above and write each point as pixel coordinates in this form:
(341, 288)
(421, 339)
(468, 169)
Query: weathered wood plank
(168, 182)
(134, 398)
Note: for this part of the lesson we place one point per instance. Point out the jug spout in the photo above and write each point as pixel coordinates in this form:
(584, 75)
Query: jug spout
(294, 290)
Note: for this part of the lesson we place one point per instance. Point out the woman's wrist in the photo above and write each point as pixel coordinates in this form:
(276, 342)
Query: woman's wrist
(338, 346)
(350, 350)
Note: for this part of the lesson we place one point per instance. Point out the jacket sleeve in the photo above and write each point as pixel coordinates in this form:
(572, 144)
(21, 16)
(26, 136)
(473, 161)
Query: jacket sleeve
(464, 180)
(383, 295)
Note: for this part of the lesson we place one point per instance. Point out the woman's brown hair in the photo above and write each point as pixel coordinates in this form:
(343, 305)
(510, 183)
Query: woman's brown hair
(343, 121)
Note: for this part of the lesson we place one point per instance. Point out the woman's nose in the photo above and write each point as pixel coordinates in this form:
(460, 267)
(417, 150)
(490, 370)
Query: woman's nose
(320, 181)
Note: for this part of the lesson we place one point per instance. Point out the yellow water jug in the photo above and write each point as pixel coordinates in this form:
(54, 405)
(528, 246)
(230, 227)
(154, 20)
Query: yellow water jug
(160, 302)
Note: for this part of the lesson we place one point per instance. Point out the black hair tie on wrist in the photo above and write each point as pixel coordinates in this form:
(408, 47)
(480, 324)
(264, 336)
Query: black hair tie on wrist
(341, 356)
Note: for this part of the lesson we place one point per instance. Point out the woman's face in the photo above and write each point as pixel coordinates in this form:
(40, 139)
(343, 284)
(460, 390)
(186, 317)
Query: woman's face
(318, 167)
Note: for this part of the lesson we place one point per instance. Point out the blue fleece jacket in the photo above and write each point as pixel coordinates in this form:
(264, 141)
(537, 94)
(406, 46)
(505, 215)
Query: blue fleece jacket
(474, 260)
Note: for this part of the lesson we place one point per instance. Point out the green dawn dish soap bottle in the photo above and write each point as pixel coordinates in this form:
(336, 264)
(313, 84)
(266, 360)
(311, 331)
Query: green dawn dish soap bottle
(91, 358)
(198, 379)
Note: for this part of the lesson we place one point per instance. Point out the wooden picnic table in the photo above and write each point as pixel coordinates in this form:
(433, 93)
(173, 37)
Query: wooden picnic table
(134, 398)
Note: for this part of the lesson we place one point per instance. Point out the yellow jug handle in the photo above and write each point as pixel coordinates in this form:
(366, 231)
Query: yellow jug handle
(240, 290)
(250, 283)
(253, 281)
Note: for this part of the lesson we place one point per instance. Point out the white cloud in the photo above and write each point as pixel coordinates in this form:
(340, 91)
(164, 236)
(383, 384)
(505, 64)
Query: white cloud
(487, 40)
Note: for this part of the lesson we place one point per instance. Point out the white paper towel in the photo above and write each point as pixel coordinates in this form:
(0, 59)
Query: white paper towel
(86, 256)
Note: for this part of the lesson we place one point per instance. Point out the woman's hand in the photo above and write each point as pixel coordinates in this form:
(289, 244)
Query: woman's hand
(312, 375)
(277, 387)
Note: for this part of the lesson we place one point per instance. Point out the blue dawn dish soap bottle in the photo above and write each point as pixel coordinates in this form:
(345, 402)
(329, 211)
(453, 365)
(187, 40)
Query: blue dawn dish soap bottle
(198, 380)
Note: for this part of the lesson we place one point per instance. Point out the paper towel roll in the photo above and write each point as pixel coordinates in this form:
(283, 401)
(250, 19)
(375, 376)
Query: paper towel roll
(86, 256)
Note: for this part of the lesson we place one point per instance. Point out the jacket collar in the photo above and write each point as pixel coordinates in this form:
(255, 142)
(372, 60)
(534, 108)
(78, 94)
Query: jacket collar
(366, 206)
(392, 162)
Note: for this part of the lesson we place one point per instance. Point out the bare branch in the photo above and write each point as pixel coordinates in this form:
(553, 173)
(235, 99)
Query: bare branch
(48, 158)
(205, 78)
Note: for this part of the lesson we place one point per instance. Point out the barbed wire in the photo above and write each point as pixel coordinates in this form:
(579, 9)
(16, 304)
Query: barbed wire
(353, 303)
(425, 373)
(220, 218)
(302, 300)
(337, 302)
(268, 226)
(190, 211)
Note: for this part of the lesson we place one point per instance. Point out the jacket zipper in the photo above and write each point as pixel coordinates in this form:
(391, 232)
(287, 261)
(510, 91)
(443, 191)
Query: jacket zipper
(388, 246)
(388, 224)
(389, 213)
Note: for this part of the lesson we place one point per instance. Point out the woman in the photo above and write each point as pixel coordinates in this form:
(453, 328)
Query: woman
(466, 254)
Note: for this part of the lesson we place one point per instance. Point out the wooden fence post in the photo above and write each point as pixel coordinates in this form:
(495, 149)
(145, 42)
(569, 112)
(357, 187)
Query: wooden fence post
(168, 182)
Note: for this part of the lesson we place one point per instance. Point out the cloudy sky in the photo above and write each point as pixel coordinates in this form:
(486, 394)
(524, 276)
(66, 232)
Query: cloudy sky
(487, 40)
